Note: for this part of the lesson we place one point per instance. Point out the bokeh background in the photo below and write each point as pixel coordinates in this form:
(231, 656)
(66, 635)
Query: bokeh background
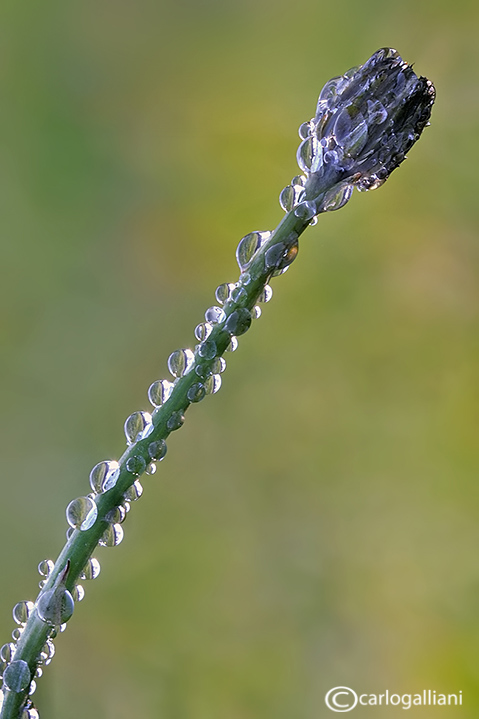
(315, 523)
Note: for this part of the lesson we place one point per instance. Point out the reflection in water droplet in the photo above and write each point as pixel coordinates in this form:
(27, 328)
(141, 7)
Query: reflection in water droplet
(81, 513)
(48, 649)
(306, 152)
(203, 331)
(232, 346)
(78, 593)
(207, 349)
(175, 421)
(218, 366)
(138, 426)
(91, 570)
(159, 392)
(45, 567)
(136, 464)
(104, 476)
(246, 249)
(305, 210)
(180, 361)
(157, 450)
(116, 515)
(239, 294)
(134, 492)
(21, 612)
(55, 606)
(196, 392)
(30, 713)
(256, 312)
(213, 384)
(223, 292)
(151, 468)
(16, 676)
(336, 199)
(7, 652)
(214, 315)
(281, 254)
(356, 139)
(238, 322)
(112, 536)
(266, 294)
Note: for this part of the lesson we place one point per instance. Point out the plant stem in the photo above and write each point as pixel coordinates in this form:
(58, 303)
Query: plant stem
(282, 248)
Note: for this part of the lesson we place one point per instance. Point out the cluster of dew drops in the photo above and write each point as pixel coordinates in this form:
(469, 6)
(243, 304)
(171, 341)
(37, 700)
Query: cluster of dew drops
(55, 607)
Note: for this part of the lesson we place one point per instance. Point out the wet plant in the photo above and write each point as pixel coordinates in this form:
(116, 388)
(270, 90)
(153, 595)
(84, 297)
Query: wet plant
(365, 122)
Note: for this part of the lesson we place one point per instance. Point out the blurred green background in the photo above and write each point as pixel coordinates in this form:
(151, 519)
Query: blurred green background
(315, 523)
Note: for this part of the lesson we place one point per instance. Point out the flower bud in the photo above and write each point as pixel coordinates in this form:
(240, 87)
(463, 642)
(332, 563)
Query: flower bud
(366, 120)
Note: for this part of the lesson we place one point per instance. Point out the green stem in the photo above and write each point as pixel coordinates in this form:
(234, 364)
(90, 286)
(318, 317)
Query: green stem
(283, 248)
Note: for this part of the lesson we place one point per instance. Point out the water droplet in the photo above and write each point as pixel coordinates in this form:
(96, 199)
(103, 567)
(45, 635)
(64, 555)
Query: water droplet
(377, 113)
(180, 361)
(213, 384)
(48, 650)
(104, 476)
(245, 278)
(55, 606)
(159, 392)
(287, 197)
(21, 612)
(281, 254)
(239, 294)
(335, 199)
(247, 248)
(207, 349)
(196, 392)
(175, 421)
(223, 292)
(305, 210)
(151, 468)
(342, 126)
(133, 492)
(68, 534)
(16, 676)
(306, 152)
(17, 633)
(91, 570)
(232, 346)
(39, 672)
(266, 294)
(214, 315)
(116, 515)
(299, 180)
(136, 464)
(356, 140)
(45, 568)
(138, 426)
(157, 450)
(218, 366)
(112, 536)
(203, 371)
(30, 713)
(304, 130)
(238, 322)
(256, 312)
(7, 652)
(81, 513)
(78, 593)
(330, 90)
(203, 330)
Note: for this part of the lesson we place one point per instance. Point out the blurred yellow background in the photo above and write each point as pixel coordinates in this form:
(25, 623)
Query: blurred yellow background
(316, 523)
